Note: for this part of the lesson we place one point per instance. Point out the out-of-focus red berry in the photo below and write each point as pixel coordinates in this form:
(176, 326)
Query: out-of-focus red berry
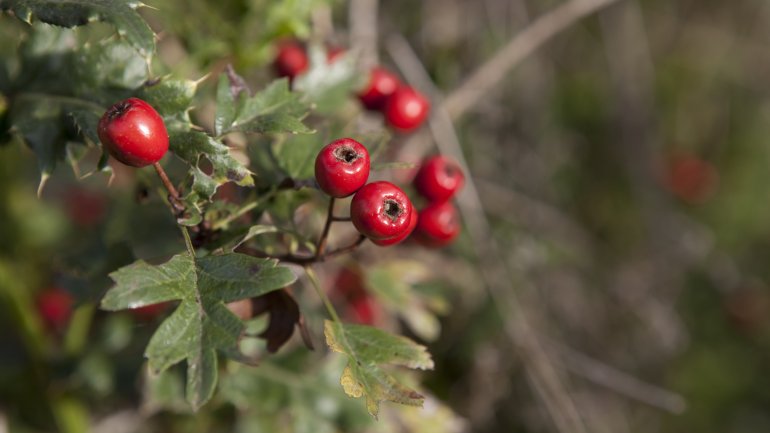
(691, 179)
(84, 207)
(55, 307)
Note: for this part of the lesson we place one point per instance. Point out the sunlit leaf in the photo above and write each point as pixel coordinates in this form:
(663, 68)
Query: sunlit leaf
(368, 349)
(201, 325)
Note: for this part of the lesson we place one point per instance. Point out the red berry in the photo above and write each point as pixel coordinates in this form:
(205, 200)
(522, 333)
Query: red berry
(382, 84)
(291, 60)
(439, 178)
(134, 133)
(55, 307)
(148, 313)
(406, 109)
(381, 210)
(84, 207)
(400, 238)
(438, 224)
(342, 167)
(692, 179)
(364, 311)
(349, 284)
(333, 53)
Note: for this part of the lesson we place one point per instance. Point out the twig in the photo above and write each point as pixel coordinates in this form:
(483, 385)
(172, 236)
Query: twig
(362, 17)
(327, 226)
(173, 194)
(546, 380)
(302, 260)
(618, 381)
(488, 75)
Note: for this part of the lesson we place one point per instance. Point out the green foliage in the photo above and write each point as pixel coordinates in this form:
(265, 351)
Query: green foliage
(201, 324)
(273, 109)
(242, 161)
(367, 349)
(70, 13)
(328, 84)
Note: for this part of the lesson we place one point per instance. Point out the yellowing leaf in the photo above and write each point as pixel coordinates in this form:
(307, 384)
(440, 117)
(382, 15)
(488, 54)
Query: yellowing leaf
(368, 349)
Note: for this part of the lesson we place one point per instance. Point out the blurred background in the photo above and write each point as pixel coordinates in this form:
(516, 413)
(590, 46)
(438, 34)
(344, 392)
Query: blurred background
(612, 275)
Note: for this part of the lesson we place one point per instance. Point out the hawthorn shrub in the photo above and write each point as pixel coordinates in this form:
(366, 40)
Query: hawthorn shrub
(204, 279)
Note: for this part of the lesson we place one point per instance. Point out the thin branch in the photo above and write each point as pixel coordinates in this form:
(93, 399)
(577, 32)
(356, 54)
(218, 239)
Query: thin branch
(173, 194)
(362, 17)
(321, 294)
(327, 226)
(618, 381)
(546, 380)
(303, 260)
(488, 75)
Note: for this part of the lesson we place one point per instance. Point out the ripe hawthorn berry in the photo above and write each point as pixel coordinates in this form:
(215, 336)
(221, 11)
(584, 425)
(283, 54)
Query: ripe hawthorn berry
(382, 84)
(438, 224)
(342, 167)
(291, 60)
(134, 133)
(55, 307)
(439, 178)
(406, 109)
(402, 237)
(381, 210)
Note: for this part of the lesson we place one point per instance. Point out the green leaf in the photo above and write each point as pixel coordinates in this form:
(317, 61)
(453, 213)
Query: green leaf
(255, 231)
(328, 85)
(173, 99)
(392, 285)
(164, 391)
(39, 124)
(106, 72)
(201, 325)
(88, 123)
(296, 154)
(275, 109)
(121, 14)
(225, 115)
(369, 348)
(230, 87)
(191, 145)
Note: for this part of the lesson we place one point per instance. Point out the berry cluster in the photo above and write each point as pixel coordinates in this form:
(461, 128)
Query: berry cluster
(404, 108)
(438, 180)
(382, 211)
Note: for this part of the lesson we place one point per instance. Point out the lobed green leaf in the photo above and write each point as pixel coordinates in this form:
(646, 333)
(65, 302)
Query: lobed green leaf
(368, 348)
(121, 14)
(201, 324)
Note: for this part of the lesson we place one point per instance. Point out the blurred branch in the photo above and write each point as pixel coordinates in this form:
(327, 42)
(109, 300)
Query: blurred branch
(651, 295)
(488, 75)
(323, 25)
(512, 205)
(546, 380)
(362, 15)
(618, 381)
